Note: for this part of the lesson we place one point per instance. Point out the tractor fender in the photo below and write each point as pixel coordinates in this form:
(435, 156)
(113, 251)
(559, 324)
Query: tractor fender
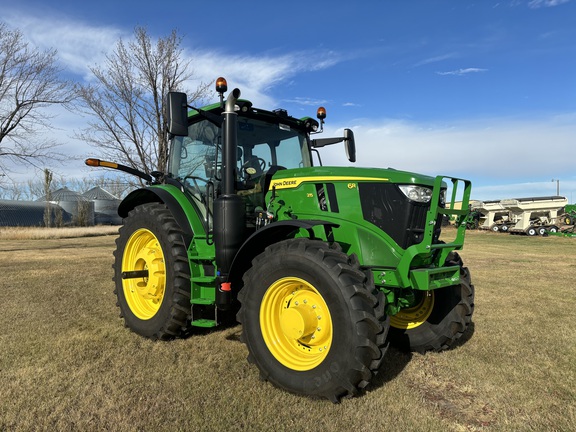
(152, 194)
(264, 237)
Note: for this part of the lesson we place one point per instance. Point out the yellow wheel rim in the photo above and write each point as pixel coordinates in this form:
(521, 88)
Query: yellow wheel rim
(296, 324)
(144, 295)
(415, 316)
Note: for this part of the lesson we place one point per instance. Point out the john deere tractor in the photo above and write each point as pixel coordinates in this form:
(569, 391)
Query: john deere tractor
(323, 266)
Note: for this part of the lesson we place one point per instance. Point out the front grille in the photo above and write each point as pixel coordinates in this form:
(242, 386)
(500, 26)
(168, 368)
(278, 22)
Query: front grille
(384, 205)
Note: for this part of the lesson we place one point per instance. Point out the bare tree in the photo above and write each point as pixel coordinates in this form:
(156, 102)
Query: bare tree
(127, 101)
(48, 176)
(29, 83)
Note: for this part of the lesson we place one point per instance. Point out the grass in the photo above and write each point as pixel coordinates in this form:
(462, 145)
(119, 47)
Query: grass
(27, 233)
(67, 362)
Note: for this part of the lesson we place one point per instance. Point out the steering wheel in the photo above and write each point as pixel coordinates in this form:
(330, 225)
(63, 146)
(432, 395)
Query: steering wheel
(250, 163)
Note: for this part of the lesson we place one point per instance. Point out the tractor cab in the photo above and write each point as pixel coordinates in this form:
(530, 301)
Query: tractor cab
(266, 141)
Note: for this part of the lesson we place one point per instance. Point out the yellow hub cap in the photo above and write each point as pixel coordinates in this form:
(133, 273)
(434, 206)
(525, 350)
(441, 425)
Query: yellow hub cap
(144, 294)
(415, 316)
(296, 324)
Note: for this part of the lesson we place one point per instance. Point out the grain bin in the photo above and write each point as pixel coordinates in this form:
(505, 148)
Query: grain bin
(105, 206)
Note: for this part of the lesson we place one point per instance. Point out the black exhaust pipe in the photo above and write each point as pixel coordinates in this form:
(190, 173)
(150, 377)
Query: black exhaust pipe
(229, 208)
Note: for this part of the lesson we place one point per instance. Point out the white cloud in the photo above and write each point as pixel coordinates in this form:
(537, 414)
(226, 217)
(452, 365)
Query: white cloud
(488, 151)
(462, 71)
(79, 45)
(535, 4)
(255, 75)
(521, 190)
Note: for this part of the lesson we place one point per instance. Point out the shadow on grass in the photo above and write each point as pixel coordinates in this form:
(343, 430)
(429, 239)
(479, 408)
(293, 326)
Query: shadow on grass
(395, 360)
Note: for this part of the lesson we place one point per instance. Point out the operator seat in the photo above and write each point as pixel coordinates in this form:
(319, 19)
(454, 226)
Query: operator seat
(266, 179)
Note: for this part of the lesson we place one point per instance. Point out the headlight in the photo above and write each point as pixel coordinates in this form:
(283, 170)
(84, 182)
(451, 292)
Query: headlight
(442, 197)
(417, 193)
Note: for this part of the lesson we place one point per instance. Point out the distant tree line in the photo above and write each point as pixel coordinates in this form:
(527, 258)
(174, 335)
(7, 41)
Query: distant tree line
(34, 189)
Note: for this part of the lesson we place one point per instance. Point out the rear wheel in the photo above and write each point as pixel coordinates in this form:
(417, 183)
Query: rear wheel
(152, 274)
(438, 318)
(310, 320)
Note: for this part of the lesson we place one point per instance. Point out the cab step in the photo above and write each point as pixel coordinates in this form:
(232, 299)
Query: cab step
(205, 323)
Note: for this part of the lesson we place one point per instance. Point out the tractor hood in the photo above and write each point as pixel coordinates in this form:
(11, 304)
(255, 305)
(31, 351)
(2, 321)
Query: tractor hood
(288, 179)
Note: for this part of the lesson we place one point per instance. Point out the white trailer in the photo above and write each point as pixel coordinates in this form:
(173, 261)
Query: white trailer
(493, 215)
(536, 215)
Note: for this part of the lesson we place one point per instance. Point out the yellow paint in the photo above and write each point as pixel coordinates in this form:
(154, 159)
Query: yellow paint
(144, 295)
(415, 316)
(296, 324)
(291, 183)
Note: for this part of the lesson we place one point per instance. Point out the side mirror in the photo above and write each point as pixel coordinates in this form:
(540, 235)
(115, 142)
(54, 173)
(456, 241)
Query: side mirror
(177, 120)
(350, 145)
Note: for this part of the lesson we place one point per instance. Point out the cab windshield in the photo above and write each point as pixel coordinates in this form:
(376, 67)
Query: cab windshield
(196, 159)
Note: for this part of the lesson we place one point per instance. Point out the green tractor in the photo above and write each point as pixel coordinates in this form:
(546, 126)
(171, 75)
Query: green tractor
(322, 266)
(569, 216)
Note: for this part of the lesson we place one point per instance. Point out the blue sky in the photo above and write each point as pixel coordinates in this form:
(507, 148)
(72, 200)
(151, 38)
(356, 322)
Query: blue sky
(484, 90)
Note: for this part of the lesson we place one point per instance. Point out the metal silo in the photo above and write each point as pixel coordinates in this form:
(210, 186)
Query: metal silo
(80, 208)
(105, 206)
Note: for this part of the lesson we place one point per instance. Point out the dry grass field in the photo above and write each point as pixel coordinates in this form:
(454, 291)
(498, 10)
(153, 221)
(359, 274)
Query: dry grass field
(67, 363)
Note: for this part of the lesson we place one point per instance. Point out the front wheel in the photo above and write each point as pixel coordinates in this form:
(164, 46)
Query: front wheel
(152, 273)
(438, 318)
(310, 320)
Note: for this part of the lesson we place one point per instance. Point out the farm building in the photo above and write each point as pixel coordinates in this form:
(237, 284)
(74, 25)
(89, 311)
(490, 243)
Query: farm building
(67, 207)
(29, 213)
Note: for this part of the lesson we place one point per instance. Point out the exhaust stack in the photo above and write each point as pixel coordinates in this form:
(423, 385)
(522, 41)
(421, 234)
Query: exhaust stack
(229, 208)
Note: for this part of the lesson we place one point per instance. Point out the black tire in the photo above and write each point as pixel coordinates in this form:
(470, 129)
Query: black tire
(553, 229)
(504, 228)
(448, 316)
(542, 231)
(336, 363)
(531, 231)
(568, 220)
(157, 306)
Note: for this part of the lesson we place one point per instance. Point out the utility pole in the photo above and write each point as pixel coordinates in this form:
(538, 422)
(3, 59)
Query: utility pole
(557, 186)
